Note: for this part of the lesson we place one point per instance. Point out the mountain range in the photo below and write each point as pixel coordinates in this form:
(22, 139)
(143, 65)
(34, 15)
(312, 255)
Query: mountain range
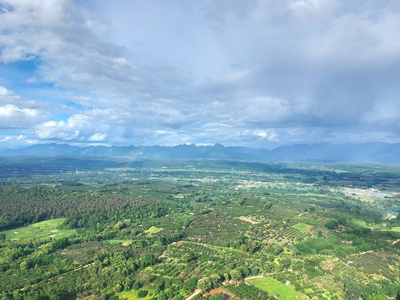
(347, 152)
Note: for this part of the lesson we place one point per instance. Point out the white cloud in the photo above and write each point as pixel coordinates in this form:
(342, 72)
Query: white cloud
(236, 72)
(57, 130)
(270, 135)
(98, 137)
(20, 140)
(6, 139)
(74, 56)
(16, 112)
(11, 111)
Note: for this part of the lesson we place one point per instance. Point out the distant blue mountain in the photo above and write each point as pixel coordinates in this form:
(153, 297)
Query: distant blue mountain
(348, 152)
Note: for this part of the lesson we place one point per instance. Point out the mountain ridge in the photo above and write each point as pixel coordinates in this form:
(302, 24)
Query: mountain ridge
(346, 152)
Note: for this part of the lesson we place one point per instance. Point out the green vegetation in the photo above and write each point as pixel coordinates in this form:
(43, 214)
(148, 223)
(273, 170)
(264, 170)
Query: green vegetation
(246, 291)
(302, 227)
(153, 230)
(135, 295)
(45, 229)
(161, 230)
(274, 287)
(123, 242)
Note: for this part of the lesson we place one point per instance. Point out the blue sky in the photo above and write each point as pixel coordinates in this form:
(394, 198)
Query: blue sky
(257, 73)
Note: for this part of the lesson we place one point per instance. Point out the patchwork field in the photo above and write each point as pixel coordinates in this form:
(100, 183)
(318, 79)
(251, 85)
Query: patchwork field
(155, 233)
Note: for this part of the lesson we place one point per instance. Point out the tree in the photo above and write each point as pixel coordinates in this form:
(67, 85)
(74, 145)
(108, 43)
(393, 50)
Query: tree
(236, 275)
(204, 284)
(136, 285)
(278, 249)
(162, 296)
(217, 297)
(378, 296)
(149, 259)
(352, 289)
(23, 265)
(254, 271)
(215, 279)
(17, 295)
(332, 224)
(142, 293)
(244, 271)
(268, 205)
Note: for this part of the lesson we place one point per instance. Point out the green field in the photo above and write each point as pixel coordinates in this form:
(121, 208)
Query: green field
(132, 295)
(301, 227)
(397, 229)
(153, 230)
(360, 222)
(123, 242)
(49, 228)
(274, 287)
(180, 196)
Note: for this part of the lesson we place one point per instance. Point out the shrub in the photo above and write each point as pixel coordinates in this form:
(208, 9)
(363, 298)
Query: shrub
(142, 293)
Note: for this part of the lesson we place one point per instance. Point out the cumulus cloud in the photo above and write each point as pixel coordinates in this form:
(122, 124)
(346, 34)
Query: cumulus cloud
(98, 137)
(18, 113)
(82, 126)
(73, 56)
(255, 72)
(16, 140)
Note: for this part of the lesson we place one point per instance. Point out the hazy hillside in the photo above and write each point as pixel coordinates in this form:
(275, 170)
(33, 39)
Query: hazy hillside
(369, 152)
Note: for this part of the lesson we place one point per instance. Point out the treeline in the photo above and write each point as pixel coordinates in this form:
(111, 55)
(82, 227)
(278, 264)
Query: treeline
(248, 292)
(41, 269)
(21, 206)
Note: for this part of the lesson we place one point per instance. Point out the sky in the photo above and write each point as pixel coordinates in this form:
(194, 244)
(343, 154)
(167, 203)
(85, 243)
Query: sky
(255, 73)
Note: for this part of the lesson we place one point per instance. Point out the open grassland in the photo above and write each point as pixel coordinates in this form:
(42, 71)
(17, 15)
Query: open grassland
(49, 228)
(153, 230)
(123, 242)
(360, 222)
(302, 227)
(180, 196)
(133, 295)
(274, 287)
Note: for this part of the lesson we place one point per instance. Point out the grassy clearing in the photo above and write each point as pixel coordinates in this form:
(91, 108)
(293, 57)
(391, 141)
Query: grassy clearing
(219, 249)
(133, 295)
(397, 229)
(360, 222)
(180, 196)
(303, 228)
(249, 219)
(123, 242)
(49, 228)
(274, 287)
(153, 230)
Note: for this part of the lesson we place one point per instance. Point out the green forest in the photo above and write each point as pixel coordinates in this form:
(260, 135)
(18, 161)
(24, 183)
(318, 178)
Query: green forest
(198, 229)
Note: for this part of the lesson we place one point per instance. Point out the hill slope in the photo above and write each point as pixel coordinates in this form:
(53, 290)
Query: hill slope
(369, 152)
